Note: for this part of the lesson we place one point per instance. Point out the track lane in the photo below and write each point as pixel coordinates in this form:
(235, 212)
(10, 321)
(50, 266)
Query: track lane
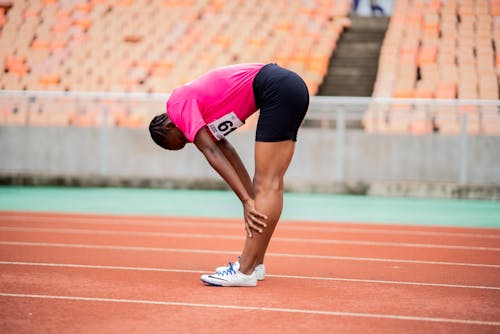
(388, 233)
(360, 248)
(345, 297)
(283, 265)
(28, 315)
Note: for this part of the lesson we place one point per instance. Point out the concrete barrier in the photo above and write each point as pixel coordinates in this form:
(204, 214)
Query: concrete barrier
(370, 163)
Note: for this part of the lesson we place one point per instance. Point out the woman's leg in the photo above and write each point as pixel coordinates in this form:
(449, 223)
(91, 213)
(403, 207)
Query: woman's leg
(271, 162)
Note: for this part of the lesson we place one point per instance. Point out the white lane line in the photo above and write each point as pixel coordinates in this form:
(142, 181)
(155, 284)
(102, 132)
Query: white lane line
(209, 251)
(93, 266)
(257, 308)
(314, 278)
(285, 225)
(240, 237)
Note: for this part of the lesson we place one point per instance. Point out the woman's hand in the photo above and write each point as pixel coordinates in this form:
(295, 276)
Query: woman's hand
(254, 220)
(235, 176)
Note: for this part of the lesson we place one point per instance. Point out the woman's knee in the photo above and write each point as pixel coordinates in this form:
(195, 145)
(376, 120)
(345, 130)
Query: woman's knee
(263, 184)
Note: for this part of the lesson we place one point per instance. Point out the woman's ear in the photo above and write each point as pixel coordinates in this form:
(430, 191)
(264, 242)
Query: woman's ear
(170, 125)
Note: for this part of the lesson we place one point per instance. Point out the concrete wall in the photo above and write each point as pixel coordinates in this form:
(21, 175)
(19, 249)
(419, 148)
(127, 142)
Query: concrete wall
(111, 155)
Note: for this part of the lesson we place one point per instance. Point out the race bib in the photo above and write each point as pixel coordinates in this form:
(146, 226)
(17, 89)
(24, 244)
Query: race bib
(225, 125)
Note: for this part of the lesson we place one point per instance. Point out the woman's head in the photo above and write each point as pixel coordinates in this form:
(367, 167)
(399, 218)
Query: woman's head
(165, 134)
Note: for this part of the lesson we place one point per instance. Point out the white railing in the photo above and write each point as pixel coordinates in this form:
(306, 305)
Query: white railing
(374, 115)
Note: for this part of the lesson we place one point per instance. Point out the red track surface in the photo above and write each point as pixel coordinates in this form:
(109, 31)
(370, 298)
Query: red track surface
(108, 274)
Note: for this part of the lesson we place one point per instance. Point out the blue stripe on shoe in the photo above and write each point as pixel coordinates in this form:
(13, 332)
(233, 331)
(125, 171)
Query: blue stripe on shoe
(212, 284)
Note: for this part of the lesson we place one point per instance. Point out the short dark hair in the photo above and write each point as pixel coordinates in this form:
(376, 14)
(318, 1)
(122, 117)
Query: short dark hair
(158, 130)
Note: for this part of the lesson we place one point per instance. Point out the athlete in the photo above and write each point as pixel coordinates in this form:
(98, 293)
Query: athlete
(205, 111)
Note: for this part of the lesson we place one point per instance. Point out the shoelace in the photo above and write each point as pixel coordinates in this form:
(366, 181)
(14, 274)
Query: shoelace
(229, 271)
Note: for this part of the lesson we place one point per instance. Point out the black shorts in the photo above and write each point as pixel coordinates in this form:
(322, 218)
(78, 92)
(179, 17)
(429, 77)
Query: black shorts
(283, 99)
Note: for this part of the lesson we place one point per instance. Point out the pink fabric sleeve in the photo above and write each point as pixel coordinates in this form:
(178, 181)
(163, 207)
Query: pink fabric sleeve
(186, 115)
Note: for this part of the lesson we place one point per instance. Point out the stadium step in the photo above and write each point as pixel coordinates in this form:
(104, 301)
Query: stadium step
(353, 66)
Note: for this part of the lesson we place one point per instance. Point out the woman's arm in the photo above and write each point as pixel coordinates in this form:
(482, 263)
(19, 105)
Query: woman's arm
(216, 158)
(235, 161)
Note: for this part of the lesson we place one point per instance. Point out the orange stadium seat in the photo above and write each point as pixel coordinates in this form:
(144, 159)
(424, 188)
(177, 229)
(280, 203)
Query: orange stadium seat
(5, 109)
(425, 89)
(420, 123)
(427, 55)
(85, 117)
(399, 119)
(17, 114)
(490, 121)
(60, 113)
(37, 115)
(446, 90)
(448, 123)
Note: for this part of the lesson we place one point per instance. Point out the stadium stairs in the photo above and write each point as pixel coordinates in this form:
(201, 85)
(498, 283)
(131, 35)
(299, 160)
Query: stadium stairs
(353, 65)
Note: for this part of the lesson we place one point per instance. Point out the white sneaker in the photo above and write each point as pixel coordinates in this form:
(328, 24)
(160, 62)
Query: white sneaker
(259, 271)
(230, 277)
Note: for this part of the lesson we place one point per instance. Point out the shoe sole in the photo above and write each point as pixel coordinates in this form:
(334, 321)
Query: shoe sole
(211, 284)
(222, 285)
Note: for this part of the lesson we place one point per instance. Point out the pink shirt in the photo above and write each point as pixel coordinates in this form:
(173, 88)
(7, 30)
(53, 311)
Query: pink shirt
(221, 99)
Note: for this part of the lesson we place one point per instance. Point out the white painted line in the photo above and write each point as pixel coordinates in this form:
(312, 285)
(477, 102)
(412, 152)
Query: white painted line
(284, 225)
(348, 258)
(240, 237)
(394, 231)
(369, 281)
(355, 280)
(92, 266)
(257, 308)
(208, 251)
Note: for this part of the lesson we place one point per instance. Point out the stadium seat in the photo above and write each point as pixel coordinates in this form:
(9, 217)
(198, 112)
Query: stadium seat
(446, 90)
(490, 121)
(421, 122)
(17, 114)
(399, 120)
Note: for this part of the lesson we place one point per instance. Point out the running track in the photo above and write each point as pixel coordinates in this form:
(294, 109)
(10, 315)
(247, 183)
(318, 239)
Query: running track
(108, 274)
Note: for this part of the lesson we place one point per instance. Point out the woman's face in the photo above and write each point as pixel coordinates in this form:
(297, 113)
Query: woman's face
(175, 139)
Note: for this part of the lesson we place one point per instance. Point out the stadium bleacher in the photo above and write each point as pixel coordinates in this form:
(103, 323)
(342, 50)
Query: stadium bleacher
(436, 49)
(154, 46)
(439, 50)
(432, 49)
